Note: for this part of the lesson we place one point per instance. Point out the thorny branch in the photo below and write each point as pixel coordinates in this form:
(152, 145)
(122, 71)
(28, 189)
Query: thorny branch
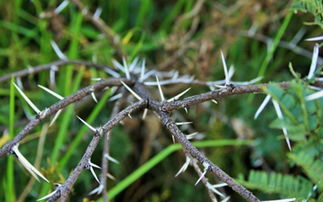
(161, 110)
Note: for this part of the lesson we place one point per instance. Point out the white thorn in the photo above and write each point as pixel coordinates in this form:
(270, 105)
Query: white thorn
(231, 72)
(133, 64)
(191, 136)
(51, 92)
(58, 52)
(30, 168)
(61, 7)
(314, 61)
(178, 95)
(131, 91)
(107, 156)
(213, 189)
(48, 195)
(19, 82)
(118, 65)
(92, 165)
(214, 101)
(52, 81)
(173, 139)
(125, 66)
(144, 114)
(31, 104)
(97, 190)
(183, 123)
(160, 89)
(129, 115)
(227, 79)
(186, 110)
(88, 125)
(94, 98)
(262, 106)
(111, 176)
(226, 199)
(184, 167)
(96, 79)
(318, 38)
(97, 13)
(314, 96)
(206, 167)
(282, 200)
(55, 117)
(115, 97)
(142, 72)
(112, 73)
(280, 116)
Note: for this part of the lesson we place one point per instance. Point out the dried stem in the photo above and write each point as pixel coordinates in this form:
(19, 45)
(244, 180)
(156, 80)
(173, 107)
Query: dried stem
(65, 189)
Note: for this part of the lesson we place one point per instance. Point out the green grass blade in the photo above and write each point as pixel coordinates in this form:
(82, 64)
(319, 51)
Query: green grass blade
(10, 185)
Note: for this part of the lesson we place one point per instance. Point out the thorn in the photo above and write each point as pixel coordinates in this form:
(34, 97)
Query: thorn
(48, 195)
(184, 167)
(314, 96)
(186, 110)
(206, 168)
(29, 167)
(31, 104)
(142, 72)
(144, 114)
(110, 176)
(115, 97)
(280, 116)
(97, 13)
(97, 190)
(52, 82)
(112, 73)
(282, 200)
(214, 190)
(178, 95)
(19, 82)
(214, 101)
(318, 38)
(92, 165)
(118, 65)
(129, 115)
(58, 52)
(61, 7)
(226, 199)
(227, 79)
(314, 62)
(88, 125)
(55, 117)
(173, 139)
(51, 92)
(231, 72)
(183, 123)
(262, 106)
(133, 64)
(125, 66)
(94, 98)
(131, 91)
(191, 136)
(160, 89)
(107, 156)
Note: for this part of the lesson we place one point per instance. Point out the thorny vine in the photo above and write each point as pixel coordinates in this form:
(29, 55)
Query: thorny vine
(134, 82)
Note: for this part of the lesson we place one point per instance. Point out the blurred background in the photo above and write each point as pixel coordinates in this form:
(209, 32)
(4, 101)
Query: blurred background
(260, 38)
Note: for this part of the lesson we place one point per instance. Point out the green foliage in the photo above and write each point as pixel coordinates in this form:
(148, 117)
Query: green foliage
(303, 120)
(314, 7)
(284, 185)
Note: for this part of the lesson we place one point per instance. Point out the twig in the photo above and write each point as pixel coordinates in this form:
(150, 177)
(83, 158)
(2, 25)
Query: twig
(57, 106)
(65, 188)
(58, 63)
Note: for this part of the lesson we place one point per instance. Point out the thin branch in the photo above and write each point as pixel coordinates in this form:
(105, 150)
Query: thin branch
(57, 106)
(66, 188)
(58, 63)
